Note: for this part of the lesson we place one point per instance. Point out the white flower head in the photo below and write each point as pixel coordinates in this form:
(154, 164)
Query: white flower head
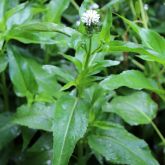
(90, 17)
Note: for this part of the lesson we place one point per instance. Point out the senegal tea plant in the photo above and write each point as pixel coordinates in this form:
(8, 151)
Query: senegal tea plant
(82, 82)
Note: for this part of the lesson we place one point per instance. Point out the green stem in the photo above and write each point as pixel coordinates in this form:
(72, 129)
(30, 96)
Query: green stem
(143, 14)
(88, 53)
(133, 9)
(80, 153)
(75, 5)
(5, 92)
(158, 132)
(47, 57)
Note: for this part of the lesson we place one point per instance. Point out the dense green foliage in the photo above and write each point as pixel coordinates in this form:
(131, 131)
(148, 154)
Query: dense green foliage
(78, 94)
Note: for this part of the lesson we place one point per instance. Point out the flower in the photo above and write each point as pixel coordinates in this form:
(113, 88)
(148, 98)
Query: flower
(90, 17)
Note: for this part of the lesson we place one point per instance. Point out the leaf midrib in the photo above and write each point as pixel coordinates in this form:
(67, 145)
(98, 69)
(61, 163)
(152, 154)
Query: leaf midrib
(67, 128)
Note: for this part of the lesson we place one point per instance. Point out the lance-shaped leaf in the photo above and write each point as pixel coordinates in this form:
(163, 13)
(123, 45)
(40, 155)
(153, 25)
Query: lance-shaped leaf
(70, 124)
(150, 39)
(119, 146)
(20, 73)
(45, 32)
(130, 78)
(137, 108)
(36, 116)
(105, 31)
(147, 53)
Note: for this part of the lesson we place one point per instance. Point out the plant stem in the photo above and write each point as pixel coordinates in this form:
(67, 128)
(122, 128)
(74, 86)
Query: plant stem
(158, 132)
(143, 14)
(5, 92)
(80, 153)
(133, 9)
(75, 5)
(88, 53)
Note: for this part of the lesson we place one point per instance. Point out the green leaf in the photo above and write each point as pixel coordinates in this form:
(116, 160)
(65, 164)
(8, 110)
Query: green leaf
(39, 153)
(119, 146)
(70, 124)
(55, 8)
(8, 130)
(18, 15)
(54, 70)
(105, 31)
(111, 3)
(136, 108)
(27, 135)
(20, 73)
(47, 83)
(117, 46)
(120, 46)
(151, 39)
(3, 63)
(130, 78)
(36, 116)
(2, 9)
(98, 66)
(45, 32)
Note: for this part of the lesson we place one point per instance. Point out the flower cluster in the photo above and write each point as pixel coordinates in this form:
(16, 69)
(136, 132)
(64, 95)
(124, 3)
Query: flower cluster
(90, 17)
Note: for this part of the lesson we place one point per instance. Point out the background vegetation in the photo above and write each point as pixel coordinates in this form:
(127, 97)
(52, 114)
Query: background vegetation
(42, 71)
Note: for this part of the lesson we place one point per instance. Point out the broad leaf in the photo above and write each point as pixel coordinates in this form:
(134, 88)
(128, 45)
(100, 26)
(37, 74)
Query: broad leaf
(119, 146)
(8, 130)
(18, 15)
(70, 124)
(54, 70)
(137, 108)
(130, 78)
(36, 116)
(20, 73)
(55, 8)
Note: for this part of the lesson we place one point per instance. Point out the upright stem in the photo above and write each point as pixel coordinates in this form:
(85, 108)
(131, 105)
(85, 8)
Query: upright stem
(143, 14)
(132, 8)
(88, 53)
(75, 5)
(5, 92)
(158, 132)
(80, 153)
